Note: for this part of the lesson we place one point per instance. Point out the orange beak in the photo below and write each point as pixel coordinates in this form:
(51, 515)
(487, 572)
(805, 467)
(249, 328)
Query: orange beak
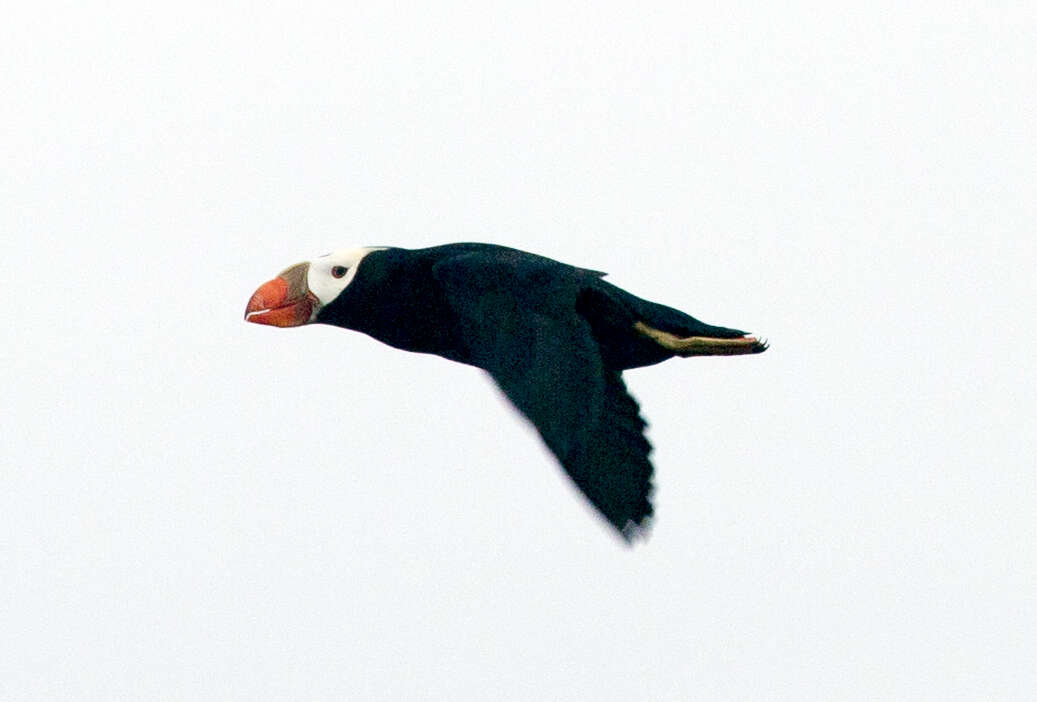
(285, 301)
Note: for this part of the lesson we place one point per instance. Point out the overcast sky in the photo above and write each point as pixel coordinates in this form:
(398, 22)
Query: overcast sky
(192, 507)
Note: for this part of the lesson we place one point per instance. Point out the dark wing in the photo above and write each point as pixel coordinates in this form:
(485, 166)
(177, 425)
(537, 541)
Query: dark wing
(519, 322)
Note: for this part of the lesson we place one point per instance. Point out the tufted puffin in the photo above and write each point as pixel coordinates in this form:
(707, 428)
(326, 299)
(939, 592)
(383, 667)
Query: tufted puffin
(554, 337)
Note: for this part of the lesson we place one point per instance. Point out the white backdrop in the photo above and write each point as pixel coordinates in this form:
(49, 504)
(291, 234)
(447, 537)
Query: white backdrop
(196, 508)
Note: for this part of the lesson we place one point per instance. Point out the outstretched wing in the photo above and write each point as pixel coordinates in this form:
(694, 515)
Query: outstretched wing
(521, 326)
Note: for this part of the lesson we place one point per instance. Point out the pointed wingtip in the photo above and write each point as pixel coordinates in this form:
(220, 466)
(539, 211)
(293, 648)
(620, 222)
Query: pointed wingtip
(636, 532)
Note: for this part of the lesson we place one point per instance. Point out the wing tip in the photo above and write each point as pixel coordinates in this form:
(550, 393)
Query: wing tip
(637, 532)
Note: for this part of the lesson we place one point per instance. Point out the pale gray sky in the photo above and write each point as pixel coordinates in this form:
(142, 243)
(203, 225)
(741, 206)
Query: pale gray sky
(196, 508)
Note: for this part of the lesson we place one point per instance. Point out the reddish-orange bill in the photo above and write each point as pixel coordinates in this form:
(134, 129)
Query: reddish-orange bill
(270, 305)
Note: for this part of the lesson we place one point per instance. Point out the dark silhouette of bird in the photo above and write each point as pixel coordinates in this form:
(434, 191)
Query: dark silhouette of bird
(556, 339)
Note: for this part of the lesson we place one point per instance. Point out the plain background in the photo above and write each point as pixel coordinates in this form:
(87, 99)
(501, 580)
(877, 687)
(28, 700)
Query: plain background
(196, 508)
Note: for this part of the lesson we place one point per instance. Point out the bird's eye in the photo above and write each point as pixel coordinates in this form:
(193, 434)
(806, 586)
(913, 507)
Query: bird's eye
(338, 271)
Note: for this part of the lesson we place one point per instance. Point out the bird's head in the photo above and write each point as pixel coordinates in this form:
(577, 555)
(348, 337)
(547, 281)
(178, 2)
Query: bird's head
(296, 296)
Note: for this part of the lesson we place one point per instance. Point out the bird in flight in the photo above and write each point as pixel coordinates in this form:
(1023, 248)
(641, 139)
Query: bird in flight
(556, 339)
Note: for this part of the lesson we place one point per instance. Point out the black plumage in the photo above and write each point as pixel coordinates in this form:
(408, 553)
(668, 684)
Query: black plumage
(555, 338)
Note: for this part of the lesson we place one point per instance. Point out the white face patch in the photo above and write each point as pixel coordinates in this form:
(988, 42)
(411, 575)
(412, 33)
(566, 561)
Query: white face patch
(331, 273)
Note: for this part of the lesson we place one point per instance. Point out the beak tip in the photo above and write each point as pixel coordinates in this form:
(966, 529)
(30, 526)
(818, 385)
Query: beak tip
(254, 303)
